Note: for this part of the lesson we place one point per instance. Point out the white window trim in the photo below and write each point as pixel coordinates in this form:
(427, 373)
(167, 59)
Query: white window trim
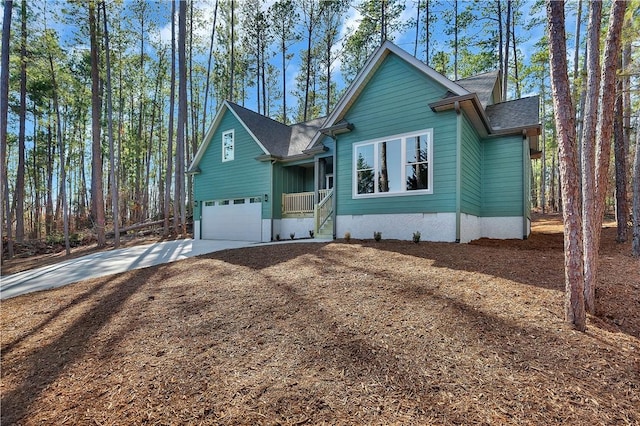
(233, 145)
(403, 172)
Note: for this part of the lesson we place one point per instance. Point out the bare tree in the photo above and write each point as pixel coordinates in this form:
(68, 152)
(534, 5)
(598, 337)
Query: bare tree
(207, 81)
(182, 114)
(97, 196)
(172, 97)
(4, 110)
(568, 159)
(635, 246)
(63, 173)
(19, 195)
(112, 154)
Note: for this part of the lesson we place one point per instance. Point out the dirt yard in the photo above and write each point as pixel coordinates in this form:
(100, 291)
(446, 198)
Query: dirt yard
(338, 333)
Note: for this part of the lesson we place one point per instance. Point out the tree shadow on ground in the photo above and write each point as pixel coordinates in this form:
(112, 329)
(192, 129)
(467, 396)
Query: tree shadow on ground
(44, 365)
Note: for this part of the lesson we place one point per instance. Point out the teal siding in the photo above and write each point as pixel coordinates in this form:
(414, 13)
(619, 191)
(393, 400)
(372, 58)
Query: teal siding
(471, 176)
(242, 177)
(502, 176)
(395, 101)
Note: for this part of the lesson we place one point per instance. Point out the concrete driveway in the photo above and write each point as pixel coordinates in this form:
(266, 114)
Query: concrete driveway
(107, 263)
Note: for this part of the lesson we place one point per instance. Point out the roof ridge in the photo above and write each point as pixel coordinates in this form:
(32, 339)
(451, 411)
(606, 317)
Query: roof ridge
(234, 105)
(514, 100)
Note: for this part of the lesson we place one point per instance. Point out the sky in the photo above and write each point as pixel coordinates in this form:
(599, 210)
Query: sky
(161, 14)
(405, 40)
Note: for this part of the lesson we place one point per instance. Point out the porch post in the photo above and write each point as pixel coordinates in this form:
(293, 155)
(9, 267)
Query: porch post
(316, 180)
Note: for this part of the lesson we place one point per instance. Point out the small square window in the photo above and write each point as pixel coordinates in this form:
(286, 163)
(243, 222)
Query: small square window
(227, 146)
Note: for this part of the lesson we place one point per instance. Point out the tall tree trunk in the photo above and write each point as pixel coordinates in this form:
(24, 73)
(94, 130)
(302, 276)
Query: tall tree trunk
(635, 244)
(305, 114)
(620, 152)
(568, 159)
(455, 43)
(182, 115)
(172, 98)
(576, 51)
(283, 48)
(427, 17)
(233, 59)
(49, 218)
(36, 179)
(112, 154)
(500, 39)
(543, 177)
(589, 222)
(516, 75)
(19, 196)
(63, 174)
(415, 44)
(505, 76)
(604, 133)
(4, 112)
(97, 196)
(206, 89)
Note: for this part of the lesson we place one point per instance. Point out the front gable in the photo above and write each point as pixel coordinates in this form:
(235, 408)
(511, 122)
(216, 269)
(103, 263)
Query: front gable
(224, 113)
(393, 103)
(238, 175)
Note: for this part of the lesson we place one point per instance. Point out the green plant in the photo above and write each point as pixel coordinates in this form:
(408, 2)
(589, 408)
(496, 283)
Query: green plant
(377, 236)
(311, 233)
(416, 237)
(292, 235)
(277, 237)
(347, 236)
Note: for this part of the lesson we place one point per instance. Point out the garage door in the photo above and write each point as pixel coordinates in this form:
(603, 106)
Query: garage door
(234, 219)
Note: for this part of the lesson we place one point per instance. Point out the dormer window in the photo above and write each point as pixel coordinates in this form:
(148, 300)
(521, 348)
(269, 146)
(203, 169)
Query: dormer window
(227, 146)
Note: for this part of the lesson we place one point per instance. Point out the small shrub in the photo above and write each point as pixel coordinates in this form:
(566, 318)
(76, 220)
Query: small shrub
(416, 237)
(377, 236)
(311, 233)
(277, 237)
(347, 236)
(292, 235)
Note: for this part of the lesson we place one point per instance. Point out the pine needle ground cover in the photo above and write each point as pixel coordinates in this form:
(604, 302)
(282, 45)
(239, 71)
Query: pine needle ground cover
(362, 332)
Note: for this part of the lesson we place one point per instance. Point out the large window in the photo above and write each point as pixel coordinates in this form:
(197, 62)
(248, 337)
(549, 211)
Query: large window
(227, 146)
(396, 165)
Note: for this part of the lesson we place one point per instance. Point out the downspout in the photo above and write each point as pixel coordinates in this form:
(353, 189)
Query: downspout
(272, 162)
(525, 178)
(458, 168)
(335, 187)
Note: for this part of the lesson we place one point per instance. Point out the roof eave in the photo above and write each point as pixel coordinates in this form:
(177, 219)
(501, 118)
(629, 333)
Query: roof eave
(337, 129)
(471, 105)
(318, 149)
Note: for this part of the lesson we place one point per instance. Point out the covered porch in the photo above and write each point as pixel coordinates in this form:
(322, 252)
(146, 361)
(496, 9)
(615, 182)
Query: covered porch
(316, 204)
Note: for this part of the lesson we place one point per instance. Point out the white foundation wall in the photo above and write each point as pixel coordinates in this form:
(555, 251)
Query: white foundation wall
(266, 230)
(432, 226)
(502, 227)
(299, 226)
(196, 229)
(470, 228)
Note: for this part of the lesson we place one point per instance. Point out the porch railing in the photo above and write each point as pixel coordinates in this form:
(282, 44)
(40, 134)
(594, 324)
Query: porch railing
(324, 209)
(300, 202)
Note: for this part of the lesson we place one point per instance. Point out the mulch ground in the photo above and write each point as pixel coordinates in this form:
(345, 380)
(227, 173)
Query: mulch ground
(337, 333)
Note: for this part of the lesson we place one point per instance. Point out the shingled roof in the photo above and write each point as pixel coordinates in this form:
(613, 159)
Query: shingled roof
(482, 85)
(523, 112)
(279, 139)
(273, 135)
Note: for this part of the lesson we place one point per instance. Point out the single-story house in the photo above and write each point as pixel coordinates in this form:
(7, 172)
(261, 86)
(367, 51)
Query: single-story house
(405, 150)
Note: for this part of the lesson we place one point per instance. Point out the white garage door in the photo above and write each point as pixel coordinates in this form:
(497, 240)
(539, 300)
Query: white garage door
(237, 219)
